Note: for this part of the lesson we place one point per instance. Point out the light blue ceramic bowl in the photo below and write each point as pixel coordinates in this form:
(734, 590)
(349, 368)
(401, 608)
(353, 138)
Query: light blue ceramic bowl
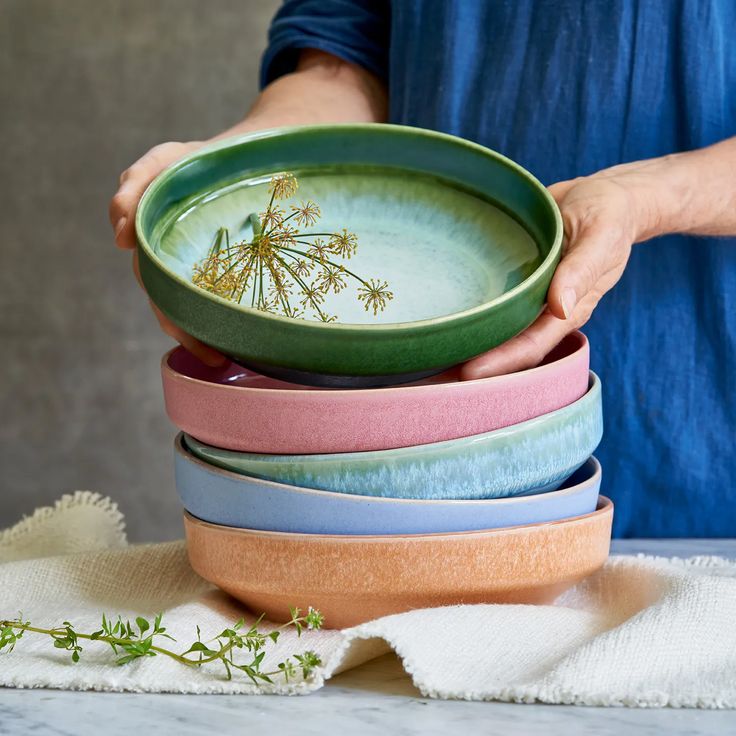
(530, 457)
(230, 499)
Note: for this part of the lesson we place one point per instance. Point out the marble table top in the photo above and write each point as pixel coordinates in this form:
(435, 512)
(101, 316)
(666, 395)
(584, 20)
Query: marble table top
(376, 698)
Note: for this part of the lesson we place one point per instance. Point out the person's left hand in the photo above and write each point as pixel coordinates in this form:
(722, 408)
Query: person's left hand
(603, 215)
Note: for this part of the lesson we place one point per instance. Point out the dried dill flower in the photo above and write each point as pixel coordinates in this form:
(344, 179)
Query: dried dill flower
(375, 295)
(282, 261)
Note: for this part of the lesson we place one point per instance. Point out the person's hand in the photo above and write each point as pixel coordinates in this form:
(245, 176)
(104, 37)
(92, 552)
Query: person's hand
(322, 89)
(123, 206)
(603, 215)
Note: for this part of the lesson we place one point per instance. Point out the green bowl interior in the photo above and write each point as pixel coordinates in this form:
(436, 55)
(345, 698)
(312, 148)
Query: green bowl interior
(450, 225)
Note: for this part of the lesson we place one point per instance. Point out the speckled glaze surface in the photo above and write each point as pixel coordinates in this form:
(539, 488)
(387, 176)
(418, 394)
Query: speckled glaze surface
(467, 239)
(221, 497)
(533, 456)
(356, 579)
(236, 409)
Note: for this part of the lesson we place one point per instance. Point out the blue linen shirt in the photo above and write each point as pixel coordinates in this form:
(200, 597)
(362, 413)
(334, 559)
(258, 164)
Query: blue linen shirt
(568, 87)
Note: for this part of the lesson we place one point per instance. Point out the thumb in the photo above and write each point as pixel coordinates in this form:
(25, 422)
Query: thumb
(133, 183)
(560, 189)
(583, 264)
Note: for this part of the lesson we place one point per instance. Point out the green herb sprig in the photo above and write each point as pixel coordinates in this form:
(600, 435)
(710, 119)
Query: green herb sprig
(133, 641)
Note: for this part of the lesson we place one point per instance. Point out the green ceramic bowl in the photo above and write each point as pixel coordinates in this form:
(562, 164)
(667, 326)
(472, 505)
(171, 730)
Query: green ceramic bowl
(467, 240)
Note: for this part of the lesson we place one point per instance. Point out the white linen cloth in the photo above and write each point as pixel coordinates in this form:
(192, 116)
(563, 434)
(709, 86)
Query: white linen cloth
(643, 631)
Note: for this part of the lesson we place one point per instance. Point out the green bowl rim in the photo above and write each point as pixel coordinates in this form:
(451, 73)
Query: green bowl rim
(550, 259)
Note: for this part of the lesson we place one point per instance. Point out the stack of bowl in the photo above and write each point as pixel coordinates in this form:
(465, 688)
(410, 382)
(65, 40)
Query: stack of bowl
(363, 503)
(387, 484)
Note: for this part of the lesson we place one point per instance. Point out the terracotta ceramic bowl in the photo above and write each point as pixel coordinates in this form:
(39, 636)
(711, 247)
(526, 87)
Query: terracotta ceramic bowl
(221, 497)
(531, 457)
(237, 409)
(355, 579)
(466, 239)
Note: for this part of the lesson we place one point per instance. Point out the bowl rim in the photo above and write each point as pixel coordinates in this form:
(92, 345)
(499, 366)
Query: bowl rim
(172, 374)
(603, 508)
(188, 456)
(210, 150)
(593, 392)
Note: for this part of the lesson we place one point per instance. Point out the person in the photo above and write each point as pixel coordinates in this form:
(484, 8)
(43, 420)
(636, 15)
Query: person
(628, 111)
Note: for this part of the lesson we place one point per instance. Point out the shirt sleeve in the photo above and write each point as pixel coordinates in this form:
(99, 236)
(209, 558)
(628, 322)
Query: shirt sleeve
(357, 31)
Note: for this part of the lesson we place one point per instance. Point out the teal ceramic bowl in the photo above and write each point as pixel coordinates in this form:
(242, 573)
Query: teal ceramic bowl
(232, 499)
(531, 457)
(466, 239)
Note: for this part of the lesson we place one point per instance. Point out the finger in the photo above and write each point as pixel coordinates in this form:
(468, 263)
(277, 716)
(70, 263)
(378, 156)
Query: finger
(560, 189)
(589, 256)
(205, 353)
(133, 182)
(530, 347)
(527, 350)
(137, 270)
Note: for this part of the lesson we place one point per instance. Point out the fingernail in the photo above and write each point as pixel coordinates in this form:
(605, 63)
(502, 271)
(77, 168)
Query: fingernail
(569, 300)
(120, 225)
(216, 361)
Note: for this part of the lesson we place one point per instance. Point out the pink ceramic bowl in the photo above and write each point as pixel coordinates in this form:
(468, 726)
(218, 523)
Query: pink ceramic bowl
(352, 579)
(236, 409)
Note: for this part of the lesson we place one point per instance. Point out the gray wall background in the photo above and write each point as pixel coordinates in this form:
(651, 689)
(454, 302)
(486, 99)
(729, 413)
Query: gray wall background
(86, 86)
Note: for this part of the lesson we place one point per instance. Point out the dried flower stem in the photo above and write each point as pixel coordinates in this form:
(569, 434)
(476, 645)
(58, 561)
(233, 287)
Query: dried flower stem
(259, 264)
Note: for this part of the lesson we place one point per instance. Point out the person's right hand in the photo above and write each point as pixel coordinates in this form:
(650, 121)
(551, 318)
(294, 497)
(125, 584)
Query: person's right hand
(123, 206)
